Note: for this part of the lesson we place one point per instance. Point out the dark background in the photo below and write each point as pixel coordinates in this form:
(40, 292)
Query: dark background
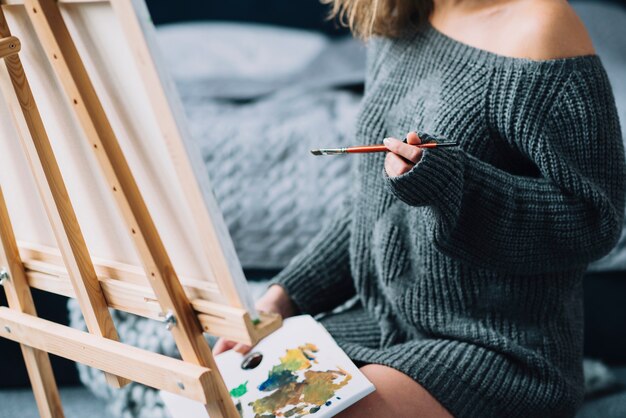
(304, 14)
(605, 307)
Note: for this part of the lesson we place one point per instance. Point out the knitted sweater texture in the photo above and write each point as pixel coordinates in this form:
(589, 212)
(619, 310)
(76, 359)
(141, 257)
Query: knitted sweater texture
(468, 268)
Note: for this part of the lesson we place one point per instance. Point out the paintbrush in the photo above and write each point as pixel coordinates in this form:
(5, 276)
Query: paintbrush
(428, 141)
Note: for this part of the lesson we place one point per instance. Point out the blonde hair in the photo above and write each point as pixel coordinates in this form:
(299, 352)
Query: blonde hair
(390, 18)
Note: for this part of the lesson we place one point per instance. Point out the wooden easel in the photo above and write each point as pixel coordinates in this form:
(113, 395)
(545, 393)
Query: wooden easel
(156, 292)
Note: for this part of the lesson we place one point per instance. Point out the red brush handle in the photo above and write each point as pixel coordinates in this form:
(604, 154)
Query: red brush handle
(381, 148)
(366, 148)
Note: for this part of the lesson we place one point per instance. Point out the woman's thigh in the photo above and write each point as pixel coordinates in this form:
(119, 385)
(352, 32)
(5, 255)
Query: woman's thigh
(396, 395)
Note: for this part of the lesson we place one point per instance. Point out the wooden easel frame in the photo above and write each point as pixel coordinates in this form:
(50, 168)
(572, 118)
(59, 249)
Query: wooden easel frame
(98, 284)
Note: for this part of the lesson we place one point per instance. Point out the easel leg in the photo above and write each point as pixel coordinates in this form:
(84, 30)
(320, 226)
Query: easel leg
(216, 410)
(43, 382)
(20, 298)
(57, 202)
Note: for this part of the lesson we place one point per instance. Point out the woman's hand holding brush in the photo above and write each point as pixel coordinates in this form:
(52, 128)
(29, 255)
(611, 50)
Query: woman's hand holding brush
(402, 156)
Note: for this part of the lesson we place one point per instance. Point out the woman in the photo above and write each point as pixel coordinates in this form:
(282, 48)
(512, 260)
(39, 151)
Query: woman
(468, 262)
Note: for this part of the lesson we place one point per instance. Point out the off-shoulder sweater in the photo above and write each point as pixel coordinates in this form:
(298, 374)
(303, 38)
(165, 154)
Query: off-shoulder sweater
(468, 268)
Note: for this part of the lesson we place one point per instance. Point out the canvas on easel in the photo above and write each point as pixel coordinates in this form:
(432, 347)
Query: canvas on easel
(105, 199)
(146, 119)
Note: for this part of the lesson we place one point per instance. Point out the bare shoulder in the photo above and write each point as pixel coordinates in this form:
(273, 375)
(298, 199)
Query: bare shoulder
(547, 29)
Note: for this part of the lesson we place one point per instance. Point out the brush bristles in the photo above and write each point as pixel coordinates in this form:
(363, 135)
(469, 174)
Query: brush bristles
(328, 151)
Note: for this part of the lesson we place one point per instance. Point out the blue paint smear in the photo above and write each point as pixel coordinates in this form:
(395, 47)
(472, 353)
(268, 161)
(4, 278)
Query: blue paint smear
(276, 380)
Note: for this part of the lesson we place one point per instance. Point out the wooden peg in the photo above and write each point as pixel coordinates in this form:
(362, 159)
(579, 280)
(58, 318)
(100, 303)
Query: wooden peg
(9, 46)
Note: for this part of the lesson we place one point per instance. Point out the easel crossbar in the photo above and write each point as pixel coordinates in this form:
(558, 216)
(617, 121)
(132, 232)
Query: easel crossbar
(151, 369)
(215, 319)
(48, 260)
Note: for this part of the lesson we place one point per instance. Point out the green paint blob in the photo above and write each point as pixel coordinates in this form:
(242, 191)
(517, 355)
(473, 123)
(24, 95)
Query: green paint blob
(240, 390)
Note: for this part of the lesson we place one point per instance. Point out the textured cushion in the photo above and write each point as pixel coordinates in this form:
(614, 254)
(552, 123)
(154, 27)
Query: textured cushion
(257, 100)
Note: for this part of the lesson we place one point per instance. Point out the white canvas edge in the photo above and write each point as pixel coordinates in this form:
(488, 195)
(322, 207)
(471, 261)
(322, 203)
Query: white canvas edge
(193, 154)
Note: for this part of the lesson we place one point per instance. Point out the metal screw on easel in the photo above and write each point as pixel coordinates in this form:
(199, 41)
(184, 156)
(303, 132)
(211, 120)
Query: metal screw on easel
(4, 276)
(170, 320)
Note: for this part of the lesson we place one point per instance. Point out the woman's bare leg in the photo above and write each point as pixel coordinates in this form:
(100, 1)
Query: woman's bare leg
(396, 395)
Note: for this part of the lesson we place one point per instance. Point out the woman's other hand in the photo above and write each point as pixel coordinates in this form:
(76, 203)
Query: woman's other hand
(402, 157)
(275, 300)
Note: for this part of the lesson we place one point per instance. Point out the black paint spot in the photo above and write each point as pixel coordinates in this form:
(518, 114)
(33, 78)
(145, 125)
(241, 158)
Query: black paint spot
(251, 361)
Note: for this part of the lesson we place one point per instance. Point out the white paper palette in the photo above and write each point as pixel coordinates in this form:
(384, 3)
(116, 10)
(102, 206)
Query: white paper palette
(303, 372)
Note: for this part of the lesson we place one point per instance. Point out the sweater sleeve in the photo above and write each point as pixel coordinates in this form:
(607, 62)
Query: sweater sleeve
(318, 279)
(568, 216)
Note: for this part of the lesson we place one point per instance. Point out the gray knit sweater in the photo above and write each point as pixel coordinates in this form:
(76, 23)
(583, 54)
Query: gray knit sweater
(468, 268)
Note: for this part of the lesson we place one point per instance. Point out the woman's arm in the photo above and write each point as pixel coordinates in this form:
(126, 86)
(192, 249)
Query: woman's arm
(567, 217)
(318, 278)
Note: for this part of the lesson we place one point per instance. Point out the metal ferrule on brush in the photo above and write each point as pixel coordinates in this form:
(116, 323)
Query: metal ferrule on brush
(329, 151)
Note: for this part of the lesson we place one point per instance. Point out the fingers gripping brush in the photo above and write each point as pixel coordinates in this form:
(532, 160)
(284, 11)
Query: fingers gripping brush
(428, 141)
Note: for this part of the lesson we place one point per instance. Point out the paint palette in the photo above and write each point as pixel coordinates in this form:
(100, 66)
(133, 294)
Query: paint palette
(299, 370)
